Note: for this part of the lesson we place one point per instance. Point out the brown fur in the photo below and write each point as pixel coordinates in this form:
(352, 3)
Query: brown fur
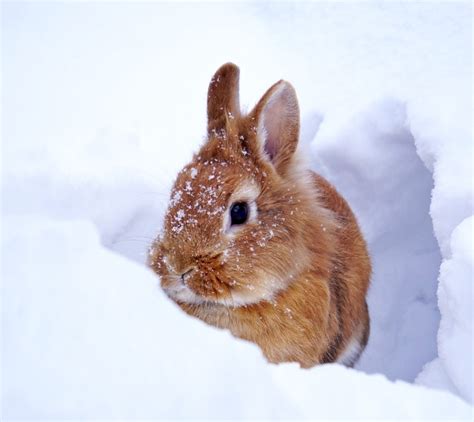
(294, 279)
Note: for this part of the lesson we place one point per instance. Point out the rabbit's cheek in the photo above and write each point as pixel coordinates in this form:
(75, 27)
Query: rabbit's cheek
(254, 290)
(155, 259)
(203, 285)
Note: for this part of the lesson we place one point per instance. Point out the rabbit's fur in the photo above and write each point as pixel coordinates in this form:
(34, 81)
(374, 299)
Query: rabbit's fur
(293, 278)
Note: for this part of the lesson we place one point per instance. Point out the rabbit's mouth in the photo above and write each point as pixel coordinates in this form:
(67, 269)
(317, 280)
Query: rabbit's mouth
(216, 280)
(198, 291)
(213, 280)
(197, 286)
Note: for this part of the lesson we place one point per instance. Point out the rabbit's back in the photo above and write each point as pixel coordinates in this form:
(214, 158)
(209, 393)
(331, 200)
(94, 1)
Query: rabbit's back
(350, 278)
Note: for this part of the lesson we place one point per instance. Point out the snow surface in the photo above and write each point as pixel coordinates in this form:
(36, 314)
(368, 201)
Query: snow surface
(103, 104)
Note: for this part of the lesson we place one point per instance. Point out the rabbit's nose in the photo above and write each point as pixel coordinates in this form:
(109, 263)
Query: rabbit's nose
(179, 263)
(185, 275)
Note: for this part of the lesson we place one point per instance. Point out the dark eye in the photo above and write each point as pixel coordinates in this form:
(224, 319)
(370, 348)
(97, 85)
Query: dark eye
(239, 213)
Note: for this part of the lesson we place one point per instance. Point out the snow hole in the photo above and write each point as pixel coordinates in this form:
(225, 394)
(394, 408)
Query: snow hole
(373, 162)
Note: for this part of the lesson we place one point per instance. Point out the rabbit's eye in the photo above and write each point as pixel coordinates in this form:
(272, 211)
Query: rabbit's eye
(239, 213)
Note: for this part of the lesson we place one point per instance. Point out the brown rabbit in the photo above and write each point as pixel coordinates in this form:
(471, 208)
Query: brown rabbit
(255, 242)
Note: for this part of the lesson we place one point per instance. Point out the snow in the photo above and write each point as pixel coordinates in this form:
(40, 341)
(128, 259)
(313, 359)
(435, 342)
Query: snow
(104, 103)
(455, 301)
(90, 335)
(370, 174)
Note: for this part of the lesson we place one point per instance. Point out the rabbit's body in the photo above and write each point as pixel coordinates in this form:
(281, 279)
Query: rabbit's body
(255, 243)
(292, 326)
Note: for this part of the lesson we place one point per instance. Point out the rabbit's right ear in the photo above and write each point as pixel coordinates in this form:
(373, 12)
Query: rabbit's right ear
(278, 123)
(223, 97)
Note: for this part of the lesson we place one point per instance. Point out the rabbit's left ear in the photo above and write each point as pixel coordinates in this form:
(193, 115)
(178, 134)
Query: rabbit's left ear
(278, 124)
(223, 97)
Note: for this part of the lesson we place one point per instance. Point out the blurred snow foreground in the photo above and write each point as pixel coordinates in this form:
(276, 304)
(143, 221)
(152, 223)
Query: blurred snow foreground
(101, 110)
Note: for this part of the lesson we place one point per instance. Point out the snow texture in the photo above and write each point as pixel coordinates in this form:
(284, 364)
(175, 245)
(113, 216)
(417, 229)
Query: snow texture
(103, 103)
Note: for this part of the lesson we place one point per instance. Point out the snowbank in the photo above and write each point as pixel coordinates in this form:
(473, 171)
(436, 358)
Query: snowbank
(455, 333)
(103, 103)
(388, 186)
(90, 335)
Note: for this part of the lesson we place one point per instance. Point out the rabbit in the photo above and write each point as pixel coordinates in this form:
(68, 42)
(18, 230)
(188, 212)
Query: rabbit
(255, 242)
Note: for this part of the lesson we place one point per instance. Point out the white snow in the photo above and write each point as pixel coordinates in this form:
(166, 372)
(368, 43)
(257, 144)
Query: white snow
(90, 335)
(455, 302)
(103, 103)
(381, 175)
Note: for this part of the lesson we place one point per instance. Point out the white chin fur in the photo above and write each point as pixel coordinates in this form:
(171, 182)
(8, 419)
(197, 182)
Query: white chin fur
(243, 299)
(184, 294)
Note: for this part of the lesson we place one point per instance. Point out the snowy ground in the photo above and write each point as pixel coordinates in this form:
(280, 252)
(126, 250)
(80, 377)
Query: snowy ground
(103, 103)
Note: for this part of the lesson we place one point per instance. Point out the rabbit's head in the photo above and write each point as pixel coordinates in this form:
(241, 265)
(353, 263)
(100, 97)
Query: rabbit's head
(234, 232)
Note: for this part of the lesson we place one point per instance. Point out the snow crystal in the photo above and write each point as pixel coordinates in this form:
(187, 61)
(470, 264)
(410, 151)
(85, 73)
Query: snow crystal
(176, 197)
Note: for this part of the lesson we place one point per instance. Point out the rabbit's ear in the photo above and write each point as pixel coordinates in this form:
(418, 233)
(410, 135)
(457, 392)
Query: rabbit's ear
(223, 97)
(278, 123)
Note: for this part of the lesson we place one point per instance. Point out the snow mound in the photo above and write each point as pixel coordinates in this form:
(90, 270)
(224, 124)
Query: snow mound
(455, 303)
(389, 188)
(89, 334)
